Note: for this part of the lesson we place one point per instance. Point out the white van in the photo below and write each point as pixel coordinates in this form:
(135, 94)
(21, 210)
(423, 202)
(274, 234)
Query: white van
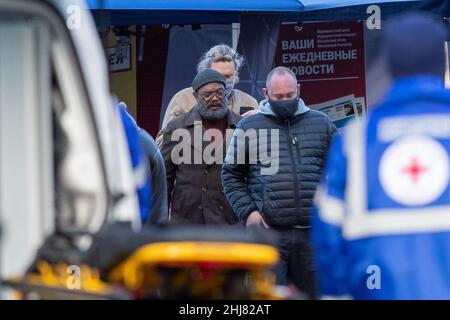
(64, 163)
(65, 172)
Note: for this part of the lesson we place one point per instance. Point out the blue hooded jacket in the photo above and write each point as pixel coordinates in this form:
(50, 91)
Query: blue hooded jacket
(381, 226)
(141, 167)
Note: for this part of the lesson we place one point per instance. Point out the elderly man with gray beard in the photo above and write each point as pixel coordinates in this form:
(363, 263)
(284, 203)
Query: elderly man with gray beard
(193, 149)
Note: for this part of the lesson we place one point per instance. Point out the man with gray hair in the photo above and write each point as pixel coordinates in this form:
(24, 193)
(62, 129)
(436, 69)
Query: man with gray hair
(225, 60)
(193, 165)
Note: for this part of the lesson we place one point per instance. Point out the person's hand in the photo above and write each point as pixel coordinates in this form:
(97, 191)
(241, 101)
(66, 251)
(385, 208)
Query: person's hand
(255, 219)
(249, 113)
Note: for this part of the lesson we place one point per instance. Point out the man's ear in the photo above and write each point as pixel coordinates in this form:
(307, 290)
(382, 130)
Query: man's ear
(265, 93)
(195, 95)
(298, 90)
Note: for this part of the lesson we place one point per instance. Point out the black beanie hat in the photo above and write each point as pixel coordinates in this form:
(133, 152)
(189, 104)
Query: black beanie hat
(207, 76)
(414, 44)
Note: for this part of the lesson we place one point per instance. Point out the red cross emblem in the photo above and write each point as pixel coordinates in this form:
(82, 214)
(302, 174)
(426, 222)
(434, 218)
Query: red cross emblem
(414, 169)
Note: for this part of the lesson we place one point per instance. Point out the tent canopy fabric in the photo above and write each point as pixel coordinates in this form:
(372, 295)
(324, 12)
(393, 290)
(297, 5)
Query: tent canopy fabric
(228, 11)
(231, 5)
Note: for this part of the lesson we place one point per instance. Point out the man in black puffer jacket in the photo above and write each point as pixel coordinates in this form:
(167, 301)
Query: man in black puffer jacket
(273, 166)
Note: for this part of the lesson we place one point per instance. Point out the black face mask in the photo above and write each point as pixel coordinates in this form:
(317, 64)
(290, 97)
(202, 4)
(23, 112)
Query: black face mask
(284, 109)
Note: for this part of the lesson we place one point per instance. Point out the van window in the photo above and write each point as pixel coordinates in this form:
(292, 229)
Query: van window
(51, 169)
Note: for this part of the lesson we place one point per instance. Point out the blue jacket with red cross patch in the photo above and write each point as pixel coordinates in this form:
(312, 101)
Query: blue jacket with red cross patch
(381, 224)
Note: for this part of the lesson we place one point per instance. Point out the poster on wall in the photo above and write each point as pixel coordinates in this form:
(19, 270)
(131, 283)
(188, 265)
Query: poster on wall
(328, 60)
(119, 57)
(339, 110)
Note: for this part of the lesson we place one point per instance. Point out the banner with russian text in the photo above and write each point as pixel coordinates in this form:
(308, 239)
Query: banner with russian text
(328, 59)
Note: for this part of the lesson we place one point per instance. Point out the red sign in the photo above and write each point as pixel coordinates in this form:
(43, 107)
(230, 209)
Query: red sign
(327, 57)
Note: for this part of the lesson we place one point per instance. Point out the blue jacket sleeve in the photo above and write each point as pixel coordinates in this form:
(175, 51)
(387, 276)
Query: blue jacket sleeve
(141, 168)
(328, 214)
(160, 211)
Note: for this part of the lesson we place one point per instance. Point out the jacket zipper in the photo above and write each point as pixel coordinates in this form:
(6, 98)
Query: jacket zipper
(293, 142)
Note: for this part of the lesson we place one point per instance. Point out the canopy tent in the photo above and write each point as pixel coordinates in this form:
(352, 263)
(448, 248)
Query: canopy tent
(228, 11)
(257, 44)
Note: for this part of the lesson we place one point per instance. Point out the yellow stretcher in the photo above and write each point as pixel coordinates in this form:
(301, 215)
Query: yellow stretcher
(163, 263)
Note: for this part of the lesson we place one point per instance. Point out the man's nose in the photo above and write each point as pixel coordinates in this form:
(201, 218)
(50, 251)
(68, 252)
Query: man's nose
(215, 98)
